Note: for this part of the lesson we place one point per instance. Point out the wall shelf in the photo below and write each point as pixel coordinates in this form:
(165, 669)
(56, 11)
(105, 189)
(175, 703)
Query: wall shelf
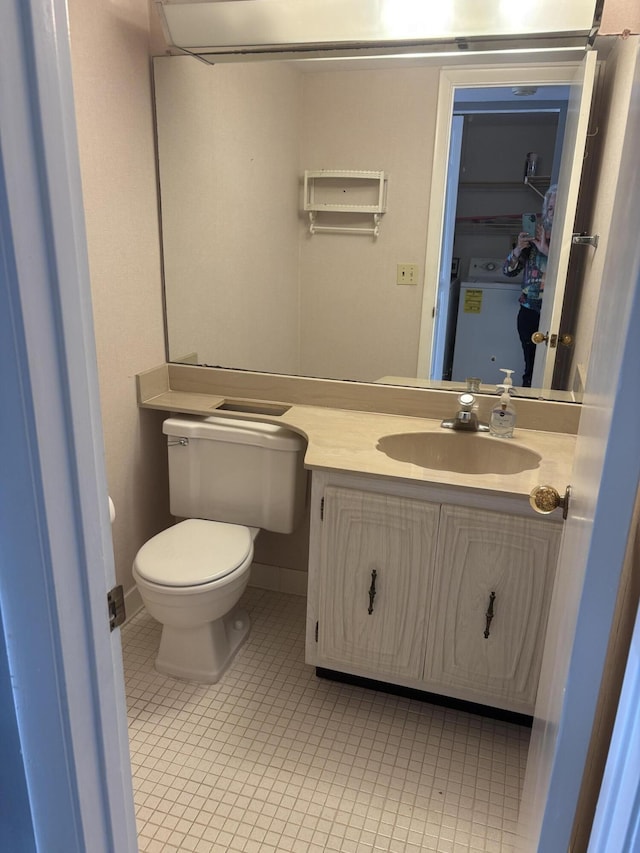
(341, 191)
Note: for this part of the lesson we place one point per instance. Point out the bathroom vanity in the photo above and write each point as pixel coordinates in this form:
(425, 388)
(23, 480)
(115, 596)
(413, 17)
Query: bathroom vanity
(428, 568)
(428, 587)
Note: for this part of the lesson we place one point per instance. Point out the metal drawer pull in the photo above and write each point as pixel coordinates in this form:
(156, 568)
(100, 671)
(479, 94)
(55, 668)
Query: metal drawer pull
(489, 614)
(372, 590)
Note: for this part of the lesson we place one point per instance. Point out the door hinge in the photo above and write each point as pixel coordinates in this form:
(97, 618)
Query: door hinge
(115, 604)
(321, 509)
(317, 623)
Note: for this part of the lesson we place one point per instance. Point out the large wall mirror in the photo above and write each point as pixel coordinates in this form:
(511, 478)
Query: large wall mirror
(255, 281)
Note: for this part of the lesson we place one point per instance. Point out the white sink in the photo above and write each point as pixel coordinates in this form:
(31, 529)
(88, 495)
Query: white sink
(462, 452)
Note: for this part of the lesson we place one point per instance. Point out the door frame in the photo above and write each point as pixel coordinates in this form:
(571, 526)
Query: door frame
(441, 320)
(67, 683)
(541, 74)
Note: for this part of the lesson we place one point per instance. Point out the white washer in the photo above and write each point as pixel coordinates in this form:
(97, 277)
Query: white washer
(486, 328)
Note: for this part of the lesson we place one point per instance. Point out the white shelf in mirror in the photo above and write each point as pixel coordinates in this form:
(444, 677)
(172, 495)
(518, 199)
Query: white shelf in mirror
(366, 190)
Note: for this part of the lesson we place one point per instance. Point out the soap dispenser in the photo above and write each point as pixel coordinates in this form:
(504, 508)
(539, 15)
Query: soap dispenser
(503, 414)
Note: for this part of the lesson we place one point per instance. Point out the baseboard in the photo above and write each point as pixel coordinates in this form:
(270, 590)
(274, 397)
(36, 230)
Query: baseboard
(278, 579)
(132, 602)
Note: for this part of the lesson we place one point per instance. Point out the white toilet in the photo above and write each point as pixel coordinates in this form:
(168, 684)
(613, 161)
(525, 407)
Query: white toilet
(228, 478)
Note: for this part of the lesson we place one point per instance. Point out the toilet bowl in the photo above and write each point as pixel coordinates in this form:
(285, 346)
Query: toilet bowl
(191, 577)
(228, 479)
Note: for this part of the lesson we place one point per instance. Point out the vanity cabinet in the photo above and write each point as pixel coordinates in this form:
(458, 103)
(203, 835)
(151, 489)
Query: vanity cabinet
(490, 602)
(410, 586)
(377, 556)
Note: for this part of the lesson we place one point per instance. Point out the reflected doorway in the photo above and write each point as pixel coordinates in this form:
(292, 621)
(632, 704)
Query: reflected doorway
(493, 131)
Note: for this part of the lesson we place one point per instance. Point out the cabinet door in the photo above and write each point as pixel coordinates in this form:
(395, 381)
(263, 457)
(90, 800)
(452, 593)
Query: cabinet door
(490, 605)
(375, 578)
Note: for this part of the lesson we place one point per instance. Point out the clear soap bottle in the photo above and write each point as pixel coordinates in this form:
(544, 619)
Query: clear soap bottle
(503, 415)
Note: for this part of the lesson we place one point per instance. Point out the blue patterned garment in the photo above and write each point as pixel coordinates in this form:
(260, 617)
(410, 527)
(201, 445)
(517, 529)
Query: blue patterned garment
(534, 264)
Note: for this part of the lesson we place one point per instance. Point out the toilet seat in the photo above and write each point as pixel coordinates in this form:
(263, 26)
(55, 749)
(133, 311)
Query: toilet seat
(194, 552)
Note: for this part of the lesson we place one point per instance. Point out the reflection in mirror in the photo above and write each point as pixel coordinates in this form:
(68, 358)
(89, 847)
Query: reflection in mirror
(247, 285)
(500, 138)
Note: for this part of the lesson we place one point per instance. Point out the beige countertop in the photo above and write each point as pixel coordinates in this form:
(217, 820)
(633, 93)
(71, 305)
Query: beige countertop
(347, 441)
(343, 423)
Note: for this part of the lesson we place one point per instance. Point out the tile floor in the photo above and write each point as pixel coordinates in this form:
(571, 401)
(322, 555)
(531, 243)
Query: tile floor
(274, 759)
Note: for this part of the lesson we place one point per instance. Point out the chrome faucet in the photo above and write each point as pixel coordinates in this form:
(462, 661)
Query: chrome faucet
(466, 417)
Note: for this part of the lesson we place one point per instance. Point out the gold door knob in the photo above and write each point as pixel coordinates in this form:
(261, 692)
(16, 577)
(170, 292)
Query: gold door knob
(553, 340)
(539, 337)
(544, 499)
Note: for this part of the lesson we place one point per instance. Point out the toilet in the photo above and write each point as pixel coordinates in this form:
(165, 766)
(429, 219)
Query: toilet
(228, 479)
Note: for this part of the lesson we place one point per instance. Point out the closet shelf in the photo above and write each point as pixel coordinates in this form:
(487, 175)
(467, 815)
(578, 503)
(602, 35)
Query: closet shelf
(506, 223)
(490, 185)
(542, 182)
(327, 191)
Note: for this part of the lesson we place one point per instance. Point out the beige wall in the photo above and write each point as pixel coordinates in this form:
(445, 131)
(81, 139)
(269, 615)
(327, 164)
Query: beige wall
(235, 232)
(229, 178)
(356, 322)
(110, 58)
(619, 16)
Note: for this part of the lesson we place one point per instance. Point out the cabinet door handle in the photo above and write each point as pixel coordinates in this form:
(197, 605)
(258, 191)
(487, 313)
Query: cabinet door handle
(489, 614)
(372, 590)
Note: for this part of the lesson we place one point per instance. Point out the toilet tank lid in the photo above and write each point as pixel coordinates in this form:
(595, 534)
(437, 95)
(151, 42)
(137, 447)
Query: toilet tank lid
(235, 431)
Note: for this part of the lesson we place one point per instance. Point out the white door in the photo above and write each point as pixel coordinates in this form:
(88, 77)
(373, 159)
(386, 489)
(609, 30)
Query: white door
(616, 826)
(573, 147)
(605, 481)
(56, 555)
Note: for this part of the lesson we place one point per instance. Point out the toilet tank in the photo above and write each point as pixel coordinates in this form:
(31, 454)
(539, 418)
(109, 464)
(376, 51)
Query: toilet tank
(240, 471)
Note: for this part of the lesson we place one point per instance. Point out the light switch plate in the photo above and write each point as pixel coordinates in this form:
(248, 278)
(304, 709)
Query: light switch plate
(407, 274)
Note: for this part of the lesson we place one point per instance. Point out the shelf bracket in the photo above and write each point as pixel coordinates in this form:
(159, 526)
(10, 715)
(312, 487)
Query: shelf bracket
(534, 188)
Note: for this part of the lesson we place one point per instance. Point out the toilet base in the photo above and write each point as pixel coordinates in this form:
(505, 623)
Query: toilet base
(202, 653)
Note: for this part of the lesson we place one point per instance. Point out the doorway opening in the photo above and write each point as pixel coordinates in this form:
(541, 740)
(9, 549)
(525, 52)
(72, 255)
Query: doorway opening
(504, 153)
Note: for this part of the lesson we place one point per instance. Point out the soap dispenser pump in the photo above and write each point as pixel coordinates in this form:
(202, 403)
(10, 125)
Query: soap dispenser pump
(503, 414)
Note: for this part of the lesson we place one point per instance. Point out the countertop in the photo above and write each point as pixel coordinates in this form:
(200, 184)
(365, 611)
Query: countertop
(346, 441)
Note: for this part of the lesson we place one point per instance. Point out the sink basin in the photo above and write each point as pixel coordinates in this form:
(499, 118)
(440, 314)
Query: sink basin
(464, 453)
